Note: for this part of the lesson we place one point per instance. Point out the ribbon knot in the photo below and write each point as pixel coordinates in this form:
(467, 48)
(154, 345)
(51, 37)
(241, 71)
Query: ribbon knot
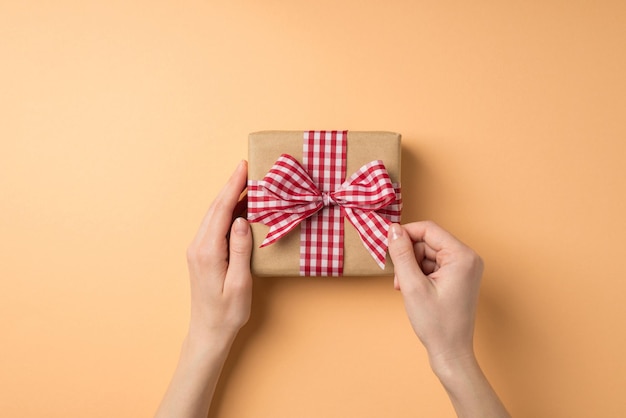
(327, 199)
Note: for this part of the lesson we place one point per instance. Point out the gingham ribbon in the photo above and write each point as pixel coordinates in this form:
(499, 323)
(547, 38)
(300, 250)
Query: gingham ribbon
(318, 199)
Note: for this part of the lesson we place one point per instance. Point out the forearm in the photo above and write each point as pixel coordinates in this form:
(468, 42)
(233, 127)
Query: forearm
(191, 390)
(469, 390)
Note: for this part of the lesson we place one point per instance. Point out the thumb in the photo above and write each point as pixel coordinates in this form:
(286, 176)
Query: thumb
(240, 250)
(409, 276)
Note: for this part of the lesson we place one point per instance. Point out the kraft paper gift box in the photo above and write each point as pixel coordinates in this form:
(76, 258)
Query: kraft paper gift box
(282, 257)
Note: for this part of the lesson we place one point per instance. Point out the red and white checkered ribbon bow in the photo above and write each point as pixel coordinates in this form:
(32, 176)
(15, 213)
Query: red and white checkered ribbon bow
(288, 195)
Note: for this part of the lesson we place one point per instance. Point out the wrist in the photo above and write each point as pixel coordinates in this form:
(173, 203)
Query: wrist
(448, 367)
(208, 343)
(467, 386)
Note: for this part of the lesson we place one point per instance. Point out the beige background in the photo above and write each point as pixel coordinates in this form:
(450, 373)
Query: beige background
(119, 121)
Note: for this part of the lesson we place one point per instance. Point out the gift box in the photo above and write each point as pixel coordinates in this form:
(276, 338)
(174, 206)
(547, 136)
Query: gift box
(320, 202)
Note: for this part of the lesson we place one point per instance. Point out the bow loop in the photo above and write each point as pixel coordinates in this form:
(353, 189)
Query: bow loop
(369, 188)
(285, 197)
(288, 181)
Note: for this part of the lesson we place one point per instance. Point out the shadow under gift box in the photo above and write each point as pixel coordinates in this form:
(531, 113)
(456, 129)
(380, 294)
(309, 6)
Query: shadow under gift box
(282, 258)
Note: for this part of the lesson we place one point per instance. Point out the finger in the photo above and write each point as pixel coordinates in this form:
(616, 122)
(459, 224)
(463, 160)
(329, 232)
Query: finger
(432, 235)
(424, 251)
(240, 250)
(426, 258)
(241, 208)
(396, 285)
(408, 273)
(218, 218)
(428, 266)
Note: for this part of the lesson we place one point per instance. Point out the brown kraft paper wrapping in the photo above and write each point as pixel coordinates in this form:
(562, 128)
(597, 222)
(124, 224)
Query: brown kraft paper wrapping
(282, 258)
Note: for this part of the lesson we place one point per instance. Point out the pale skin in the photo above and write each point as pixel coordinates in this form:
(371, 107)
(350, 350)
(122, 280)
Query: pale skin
(438, 277)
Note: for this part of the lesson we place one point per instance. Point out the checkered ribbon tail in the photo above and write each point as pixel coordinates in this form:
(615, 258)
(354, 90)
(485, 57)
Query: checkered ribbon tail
(287, 195)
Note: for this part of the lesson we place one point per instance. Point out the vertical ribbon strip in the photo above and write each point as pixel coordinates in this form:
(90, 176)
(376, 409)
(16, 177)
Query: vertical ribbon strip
(321, 235)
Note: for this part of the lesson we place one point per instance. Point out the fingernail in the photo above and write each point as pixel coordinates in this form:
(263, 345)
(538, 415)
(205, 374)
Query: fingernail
(396, 231)
(240, 227)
